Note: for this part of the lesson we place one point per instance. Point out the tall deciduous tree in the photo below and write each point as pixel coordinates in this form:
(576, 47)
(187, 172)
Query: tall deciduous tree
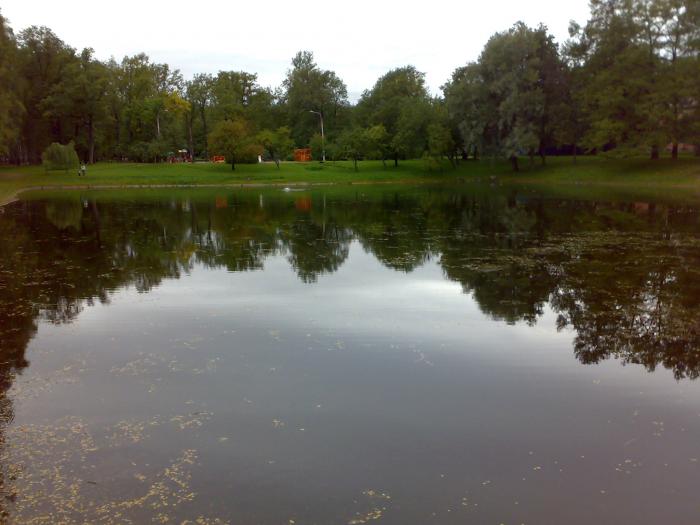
(230, 139)
(507, 102)
(198, 93)
(677, 23)
(354, 144)
(81, 99)
(378, 145)
(310, 88)
(278, 144)
(398, 101)
(11, 109)
(42, 60)
(471, 108)
(637, 62)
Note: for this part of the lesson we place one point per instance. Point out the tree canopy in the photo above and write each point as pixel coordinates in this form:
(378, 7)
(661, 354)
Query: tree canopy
(626, 82)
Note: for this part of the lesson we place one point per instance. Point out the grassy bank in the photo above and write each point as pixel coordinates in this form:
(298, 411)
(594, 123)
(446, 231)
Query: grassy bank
(664, 173)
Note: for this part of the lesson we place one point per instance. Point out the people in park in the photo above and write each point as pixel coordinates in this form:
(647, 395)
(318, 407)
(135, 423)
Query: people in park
(83, 169)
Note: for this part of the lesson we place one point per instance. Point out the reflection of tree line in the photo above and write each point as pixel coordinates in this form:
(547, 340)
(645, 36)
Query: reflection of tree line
(623, 276)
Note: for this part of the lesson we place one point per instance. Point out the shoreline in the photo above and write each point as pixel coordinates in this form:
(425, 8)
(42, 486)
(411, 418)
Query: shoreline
(15, 196)
(504, 179)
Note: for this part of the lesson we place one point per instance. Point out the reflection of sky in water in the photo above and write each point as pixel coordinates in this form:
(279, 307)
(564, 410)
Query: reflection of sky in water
(363, 298)
(311, 401)
(368, 395)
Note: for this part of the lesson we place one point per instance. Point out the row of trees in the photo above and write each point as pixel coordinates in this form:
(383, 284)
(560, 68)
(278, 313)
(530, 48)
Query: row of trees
(626, 81)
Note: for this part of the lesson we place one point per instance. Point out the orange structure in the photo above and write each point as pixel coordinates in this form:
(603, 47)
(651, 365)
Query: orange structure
(302, 155)
(219, 159)
(303, 204)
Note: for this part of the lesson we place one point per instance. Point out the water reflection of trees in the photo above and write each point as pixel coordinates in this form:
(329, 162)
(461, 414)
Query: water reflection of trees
(622, 276)
(17, 324)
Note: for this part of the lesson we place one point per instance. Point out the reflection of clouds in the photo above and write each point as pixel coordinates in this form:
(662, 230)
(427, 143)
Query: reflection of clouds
(363, 298)
(513, 259)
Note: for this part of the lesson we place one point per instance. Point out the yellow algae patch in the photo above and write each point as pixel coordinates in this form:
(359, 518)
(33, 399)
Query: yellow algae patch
(372, 515)
(192, 420)
(57, 473)
(377, 510)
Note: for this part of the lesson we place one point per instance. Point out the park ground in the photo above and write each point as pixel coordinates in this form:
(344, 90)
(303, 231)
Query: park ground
(587, 174)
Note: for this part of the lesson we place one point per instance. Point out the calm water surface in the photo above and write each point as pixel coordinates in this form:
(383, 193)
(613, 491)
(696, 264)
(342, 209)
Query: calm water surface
(472, 354)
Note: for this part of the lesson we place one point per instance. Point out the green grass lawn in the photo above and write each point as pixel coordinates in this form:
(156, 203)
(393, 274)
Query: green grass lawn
(664, 173)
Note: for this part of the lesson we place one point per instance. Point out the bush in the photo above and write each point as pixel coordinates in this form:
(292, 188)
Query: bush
(60, 157)
(138, 152)
(333, 152)
(248, 153)
(316, 145)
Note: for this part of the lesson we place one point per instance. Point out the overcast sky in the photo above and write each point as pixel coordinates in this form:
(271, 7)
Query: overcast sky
(360, 39)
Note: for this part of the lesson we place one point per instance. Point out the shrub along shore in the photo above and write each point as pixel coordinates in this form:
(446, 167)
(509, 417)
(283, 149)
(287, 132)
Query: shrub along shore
(683, 173)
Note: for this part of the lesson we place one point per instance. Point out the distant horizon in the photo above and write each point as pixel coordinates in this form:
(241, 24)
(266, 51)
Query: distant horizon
(266, 45)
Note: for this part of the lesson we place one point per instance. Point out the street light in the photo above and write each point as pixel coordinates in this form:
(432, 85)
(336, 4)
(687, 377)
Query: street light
(323, 147)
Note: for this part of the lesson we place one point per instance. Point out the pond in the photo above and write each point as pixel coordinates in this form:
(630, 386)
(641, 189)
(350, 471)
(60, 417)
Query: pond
(466, 354)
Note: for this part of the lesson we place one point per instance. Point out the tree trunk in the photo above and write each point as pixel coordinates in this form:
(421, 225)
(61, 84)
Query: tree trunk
(158, 125)
(575, 148)
(396, 160)
(204, 127)
(117, 137)
(233, 164)
(91, 141)
(655, 152)
(674, 151)
(191, 144)
(514, 163)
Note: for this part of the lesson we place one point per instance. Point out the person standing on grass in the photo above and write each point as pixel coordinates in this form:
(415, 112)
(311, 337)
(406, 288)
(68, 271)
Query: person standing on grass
(83, 169)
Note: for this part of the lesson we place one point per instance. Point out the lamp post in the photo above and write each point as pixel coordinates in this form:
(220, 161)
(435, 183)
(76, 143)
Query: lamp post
(323, 146)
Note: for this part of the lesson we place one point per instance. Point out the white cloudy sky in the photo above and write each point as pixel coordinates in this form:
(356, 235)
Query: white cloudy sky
(360, 39)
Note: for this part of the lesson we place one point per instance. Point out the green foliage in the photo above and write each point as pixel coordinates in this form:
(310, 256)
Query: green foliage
(627, 81)
(11, 108)
(505, 104)
(470, 107)
(41, 61)
(640, 63)
(378, 144)
(277, 144)
(440, 142)
(199, 94)
(309, 88)
(233, 140)
(80, 97)
(316, 144)
(400, 103)
(60, 157)
(354, 144)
